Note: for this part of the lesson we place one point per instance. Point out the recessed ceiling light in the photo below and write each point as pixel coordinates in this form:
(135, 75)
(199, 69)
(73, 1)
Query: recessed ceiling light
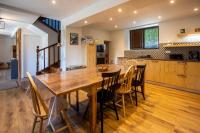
(53, 1)
(196, 9)
(159, 17)
(85, 21)
(110, 18)
(135, 12)
(116, 26)
(172, 1)
(119, 10)
(134, 22)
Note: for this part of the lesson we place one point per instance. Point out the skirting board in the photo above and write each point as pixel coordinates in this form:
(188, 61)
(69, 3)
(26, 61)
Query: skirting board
(173, 87)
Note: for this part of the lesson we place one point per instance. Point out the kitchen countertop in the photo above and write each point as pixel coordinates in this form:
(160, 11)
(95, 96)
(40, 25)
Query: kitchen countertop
(185, 60)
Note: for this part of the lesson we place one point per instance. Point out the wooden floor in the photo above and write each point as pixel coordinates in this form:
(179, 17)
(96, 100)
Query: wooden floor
(164, 111)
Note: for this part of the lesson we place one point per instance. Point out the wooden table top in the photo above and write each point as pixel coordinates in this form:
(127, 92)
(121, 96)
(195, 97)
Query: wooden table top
(68, 81)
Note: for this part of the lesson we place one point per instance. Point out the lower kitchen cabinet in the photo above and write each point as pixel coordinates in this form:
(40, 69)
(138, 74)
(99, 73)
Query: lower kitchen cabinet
(193, 75)
(185, 75)
(182, 74)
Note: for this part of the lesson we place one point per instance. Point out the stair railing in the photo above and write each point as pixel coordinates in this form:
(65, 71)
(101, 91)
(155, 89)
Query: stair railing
(39, 52)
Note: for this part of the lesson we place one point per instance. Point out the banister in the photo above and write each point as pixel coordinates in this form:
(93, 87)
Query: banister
(49, 46)
(38, 50)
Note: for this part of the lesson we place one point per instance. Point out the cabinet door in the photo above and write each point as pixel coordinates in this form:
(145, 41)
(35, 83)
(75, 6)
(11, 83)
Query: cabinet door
(153, 70)
(174, 73)
(169, 71)
(149, 70)
(193, 76)
(180, 73)
(156, 70)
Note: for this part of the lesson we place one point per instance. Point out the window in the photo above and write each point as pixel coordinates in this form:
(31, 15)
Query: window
(144, 38)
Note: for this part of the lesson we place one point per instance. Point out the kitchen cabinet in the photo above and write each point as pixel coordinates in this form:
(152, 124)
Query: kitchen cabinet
(180, 74)
(193, 75)
(154, 71)
(91, 55)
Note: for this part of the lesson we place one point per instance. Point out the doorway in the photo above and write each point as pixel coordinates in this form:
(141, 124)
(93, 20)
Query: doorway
(8, 62)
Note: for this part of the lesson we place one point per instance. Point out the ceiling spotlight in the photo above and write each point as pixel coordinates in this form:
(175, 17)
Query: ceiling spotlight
(135, 12)
(196, 9)
(111, 19)
(116, 26)
(134, 22)
(53, 2)
(172, 1)
(119, 10)
(159, 17)
(85, 21)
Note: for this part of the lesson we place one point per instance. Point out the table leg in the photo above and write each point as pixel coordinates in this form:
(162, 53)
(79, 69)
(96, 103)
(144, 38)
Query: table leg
(93, 109)
(53, 100)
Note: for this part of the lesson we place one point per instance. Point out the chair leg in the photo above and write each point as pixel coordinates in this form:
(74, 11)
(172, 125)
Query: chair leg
(131, 98)
(115, 110)
(34, 123)
(77, 101)
(136, 100)
(41, 125)
(101, 111)
(142, 89)
(123, 104)
(69, 98)
(86, 111)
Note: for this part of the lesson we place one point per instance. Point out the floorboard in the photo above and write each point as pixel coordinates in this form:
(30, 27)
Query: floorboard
(165, 110)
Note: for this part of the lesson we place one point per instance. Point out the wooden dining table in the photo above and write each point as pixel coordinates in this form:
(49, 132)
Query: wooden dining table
(87, 79)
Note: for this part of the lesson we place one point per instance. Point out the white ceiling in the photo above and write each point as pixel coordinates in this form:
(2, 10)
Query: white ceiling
(21, 13)
(61, 10)
(14, 19)
(148, 12)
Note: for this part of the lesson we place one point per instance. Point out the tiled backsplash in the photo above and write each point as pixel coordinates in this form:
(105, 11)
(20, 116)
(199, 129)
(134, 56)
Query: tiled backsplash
(161, 53)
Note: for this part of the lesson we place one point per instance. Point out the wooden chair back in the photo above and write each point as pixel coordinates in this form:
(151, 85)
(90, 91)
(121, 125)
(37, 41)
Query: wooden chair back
(110, 83)
(140, 74)
(127, 84)
(38, 103)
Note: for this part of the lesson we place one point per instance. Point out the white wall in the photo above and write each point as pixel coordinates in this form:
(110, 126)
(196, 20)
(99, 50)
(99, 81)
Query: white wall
(167, 32)
(118, 44)
(170, 29)
(6, 43)
(53, 35)
(97, 34)
(29, 53)
(75, 54)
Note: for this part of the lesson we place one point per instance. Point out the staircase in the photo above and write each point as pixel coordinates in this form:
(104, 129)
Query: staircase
(48, 58)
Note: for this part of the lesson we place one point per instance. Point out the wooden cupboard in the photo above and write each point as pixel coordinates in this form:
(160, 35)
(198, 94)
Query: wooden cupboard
(91, 55)
(193, 76)
(180, 74)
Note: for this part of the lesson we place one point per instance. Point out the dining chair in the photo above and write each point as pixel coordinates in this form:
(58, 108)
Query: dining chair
(106, 95)
(138, 81)
(126, 88)
(40, 109)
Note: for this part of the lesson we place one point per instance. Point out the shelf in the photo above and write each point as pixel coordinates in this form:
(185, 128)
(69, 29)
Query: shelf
(188, 34)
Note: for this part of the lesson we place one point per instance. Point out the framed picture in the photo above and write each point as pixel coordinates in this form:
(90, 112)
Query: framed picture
(73, 38)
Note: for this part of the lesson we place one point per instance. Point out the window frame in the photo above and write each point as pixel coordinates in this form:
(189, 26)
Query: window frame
(143, 46)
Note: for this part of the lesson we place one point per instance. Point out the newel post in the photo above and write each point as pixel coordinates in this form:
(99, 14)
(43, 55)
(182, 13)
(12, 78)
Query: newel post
(37, 63)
